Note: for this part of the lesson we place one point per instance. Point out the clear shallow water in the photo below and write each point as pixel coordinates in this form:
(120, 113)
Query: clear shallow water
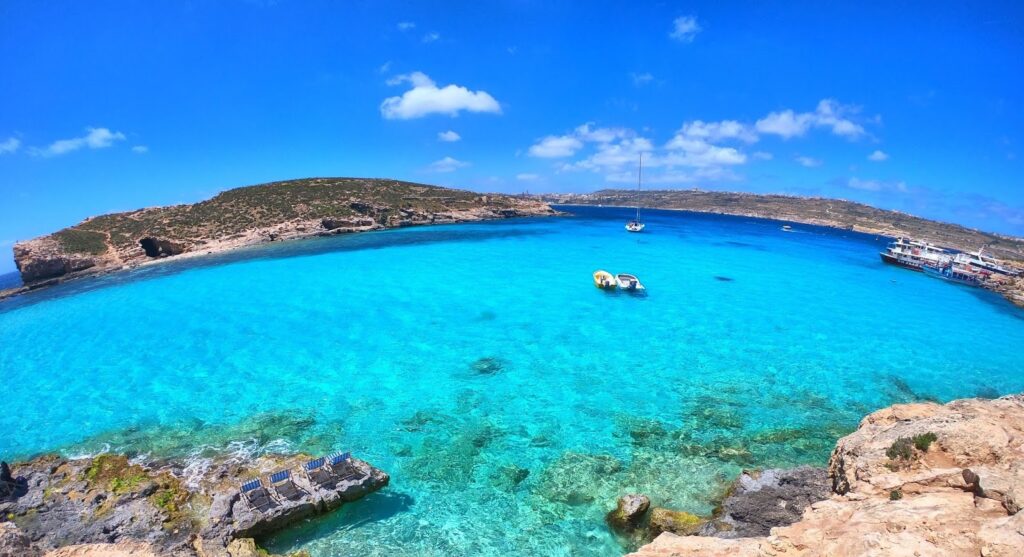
(374, 343)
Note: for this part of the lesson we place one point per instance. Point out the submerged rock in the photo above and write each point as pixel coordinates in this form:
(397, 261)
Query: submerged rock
(576, 479)
(508, 477)
(629, 512)
(487, 366)
(677, 522)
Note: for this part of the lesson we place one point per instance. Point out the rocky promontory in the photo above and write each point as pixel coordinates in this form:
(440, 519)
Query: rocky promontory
(252, 215)
(109, 505)
(914, 479)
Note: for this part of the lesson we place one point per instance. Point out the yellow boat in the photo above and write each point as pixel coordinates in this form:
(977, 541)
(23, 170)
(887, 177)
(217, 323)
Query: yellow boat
(604, 280)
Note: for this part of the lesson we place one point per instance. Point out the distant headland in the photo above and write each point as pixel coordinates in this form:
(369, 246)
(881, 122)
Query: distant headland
(835, 213)
(252, 215)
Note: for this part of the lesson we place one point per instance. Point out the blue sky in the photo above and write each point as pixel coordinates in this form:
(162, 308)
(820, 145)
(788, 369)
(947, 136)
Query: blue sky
(111, 106)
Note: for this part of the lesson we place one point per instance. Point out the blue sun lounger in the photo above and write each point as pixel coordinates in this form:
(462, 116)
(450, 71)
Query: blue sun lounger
(284, 486)
(342, 467)
(317, 474)
(256, 495)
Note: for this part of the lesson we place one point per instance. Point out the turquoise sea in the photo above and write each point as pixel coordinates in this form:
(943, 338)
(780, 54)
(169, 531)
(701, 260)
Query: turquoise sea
(509, 399)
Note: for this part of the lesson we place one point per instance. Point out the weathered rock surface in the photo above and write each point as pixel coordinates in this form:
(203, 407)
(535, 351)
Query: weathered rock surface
(108, 506)
(629, 512)
(760, 501)
(14, 542)
(961, 496)
(676, 522)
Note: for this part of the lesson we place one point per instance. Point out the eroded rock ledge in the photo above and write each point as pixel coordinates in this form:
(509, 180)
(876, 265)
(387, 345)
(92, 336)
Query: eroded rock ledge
(109, 506)
(894, 493)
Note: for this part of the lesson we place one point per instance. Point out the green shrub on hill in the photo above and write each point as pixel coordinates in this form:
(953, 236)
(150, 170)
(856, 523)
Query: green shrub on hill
(82, 241)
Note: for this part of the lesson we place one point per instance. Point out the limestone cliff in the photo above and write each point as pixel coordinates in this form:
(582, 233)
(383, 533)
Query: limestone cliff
(914, 479)
(251, 215)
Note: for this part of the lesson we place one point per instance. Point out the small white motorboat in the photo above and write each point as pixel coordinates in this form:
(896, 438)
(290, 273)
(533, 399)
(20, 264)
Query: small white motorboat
(604, 280)
(787, 228)
(629, 282)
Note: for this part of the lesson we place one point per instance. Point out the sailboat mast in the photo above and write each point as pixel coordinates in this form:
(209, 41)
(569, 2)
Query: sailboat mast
(639, 180)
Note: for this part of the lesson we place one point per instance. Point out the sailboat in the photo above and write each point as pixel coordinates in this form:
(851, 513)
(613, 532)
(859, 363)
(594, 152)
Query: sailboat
(635, 225)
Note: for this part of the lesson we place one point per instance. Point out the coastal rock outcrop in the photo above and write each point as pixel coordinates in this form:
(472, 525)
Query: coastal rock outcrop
(108, 505)
(676, 522)
(760, 501)
(629, 512)
(251, 215)
(914, 479)
(43, 259)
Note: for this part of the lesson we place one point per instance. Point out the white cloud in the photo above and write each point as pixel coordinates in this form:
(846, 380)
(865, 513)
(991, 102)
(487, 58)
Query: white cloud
(140, 149)
(448, 136)
(698, 153)
(406, 25)
(878, 156)
(526, 177)
(95, 138)
(786, 124)
(717, 131)
(384, 68)
(560, 146)
(447, 164)
(641, 79)
(553, 147)
(431, 37)
(426, 97)
(684, 29)
(9, 145)
(587, 132)
(876, 185)
(615, 156)
(829, 113)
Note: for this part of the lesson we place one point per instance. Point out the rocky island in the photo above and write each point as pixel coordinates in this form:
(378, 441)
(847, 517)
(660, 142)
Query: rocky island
(914, 479)
(251, 215)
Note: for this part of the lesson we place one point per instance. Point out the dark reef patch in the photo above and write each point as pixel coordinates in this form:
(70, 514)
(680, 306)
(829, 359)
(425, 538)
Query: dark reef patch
(487, 366)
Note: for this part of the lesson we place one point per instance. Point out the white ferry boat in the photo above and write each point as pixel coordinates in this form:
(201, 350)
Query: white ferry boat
(986, 262)
(914, 255)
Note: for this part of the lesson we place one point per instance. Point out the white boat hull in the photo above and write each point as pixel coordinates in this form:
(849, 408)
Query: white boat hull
(629, 283)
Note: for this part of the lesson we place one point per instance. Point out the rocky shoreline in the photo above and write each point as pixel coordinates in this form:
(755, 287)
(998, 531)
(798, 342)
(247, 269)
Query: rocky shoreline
(249, 216)
(914, 479)
(108, 505)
